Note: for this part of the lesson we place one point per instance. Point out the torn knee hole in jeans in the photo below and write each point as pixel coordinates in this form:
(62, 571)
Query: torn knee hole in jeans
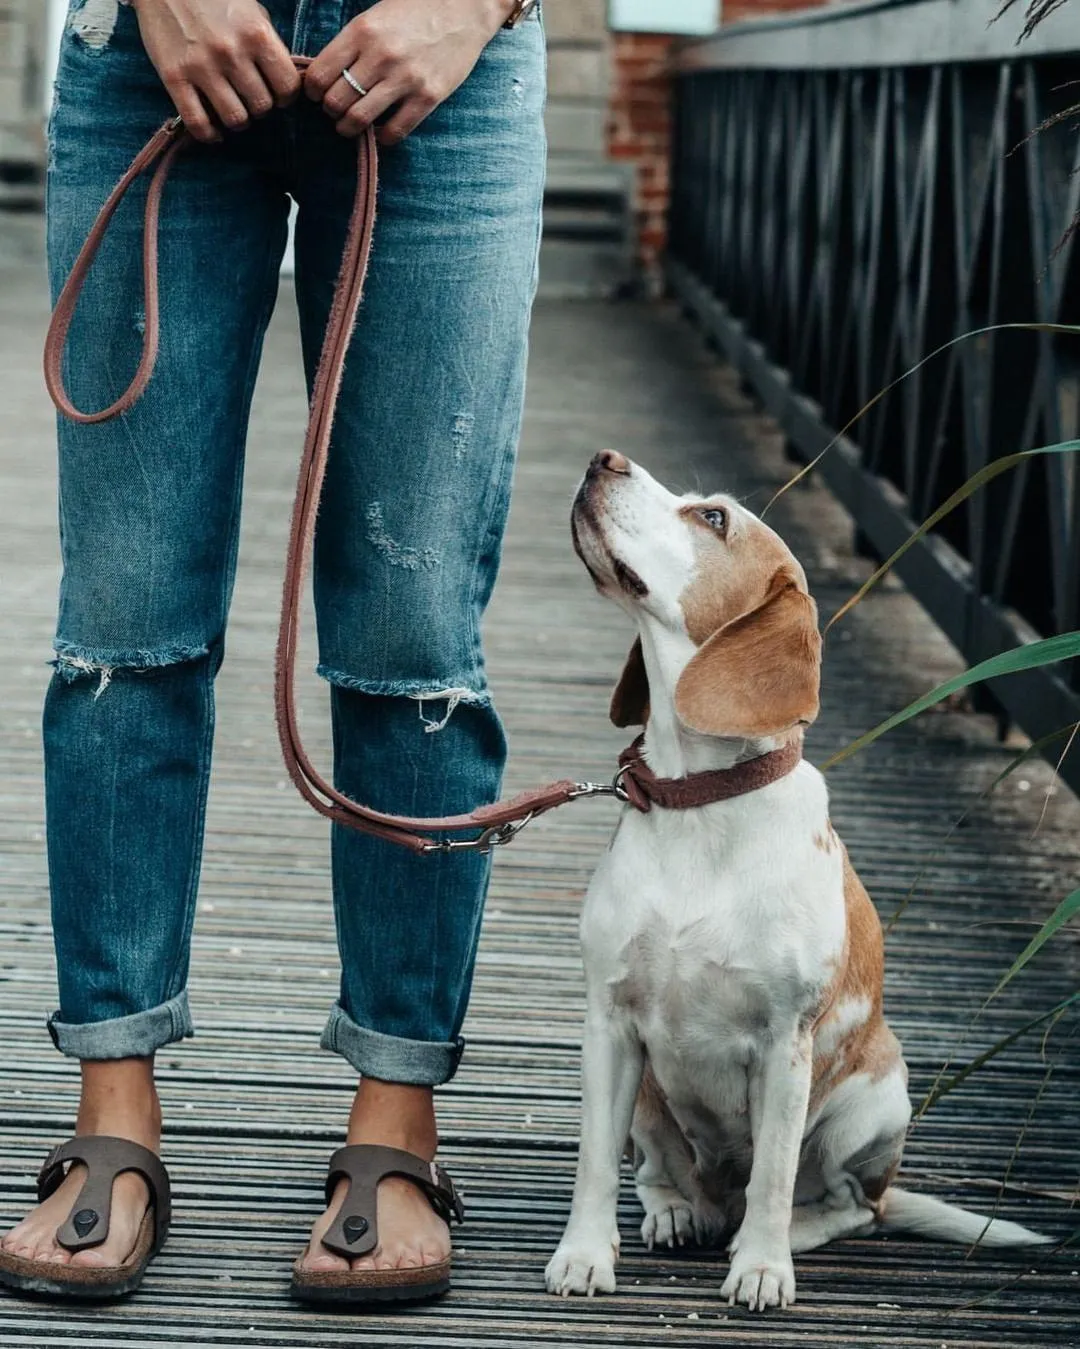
(73, 668)
(73, 664)
(451, 697)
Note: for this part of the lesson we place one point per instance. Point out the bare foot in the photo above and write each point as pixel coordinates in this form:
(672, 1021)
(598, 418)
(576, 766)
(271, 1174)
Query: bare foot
(411, 1234)
(118, 1098)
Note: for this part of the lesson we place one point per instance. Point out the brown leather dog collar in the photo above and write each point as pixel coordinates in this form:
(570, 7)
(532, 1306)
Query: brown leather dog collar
(643, 789)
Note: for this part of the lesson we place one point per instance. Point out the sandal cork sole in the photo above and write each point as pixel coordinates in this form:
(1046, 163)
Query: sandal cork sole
(370, 1285)
(81, 1282)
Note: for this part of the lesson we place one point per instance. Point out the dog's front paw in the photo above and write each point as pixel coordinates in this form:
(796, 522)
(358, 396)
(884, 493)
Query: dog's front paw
(669, 1219)
(582, 1267)
(760, 1279)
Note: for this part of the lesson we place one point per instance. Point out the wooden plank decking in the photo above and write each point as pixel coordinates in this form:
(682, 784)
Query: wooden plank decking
(253, 1107)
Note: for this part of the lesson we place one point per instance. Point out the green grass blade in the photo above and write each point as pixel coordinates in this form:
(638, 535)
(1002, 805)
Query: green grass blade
(945, 346)
(1031, 656)
(1036, 747)
(1067, 909)
(943, 1088)
(985, 474)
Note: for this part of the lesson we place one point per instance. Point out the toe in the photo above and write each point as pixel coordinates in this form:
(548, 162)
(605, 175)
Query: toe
(41, 1249)
(323, 1260)
(95, 1258)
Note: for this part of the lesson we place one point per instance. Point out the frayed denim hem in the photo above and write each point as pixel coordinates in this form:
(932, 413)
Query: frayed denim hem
(81, 662)
(417, 1063)
(404, 688)
(124, 1037)
(421, 691)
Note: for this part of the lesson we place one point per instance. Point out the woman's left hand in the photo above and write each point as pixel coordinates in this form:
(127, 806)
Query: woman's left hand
(412, 53)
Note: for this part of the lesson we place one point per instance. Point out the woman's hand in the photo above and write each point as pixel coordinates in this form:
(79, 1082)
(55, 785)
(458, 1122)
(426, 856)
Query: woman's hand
(222, 55)
(412, 53)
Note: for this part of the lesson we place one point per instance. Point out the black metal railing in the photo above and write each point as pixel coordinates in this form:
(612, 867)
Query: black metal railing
(853, 188)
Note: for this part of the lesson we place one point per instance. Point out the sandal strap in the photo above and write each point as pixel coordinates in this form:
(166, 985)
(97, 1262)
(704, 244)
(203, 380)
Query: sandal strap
(355, 1230)
(105, 1158)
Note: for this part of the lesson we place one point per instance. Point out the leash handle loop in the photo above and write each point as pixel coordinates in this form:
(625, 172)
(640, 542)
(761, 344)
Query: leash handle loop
(160, 150)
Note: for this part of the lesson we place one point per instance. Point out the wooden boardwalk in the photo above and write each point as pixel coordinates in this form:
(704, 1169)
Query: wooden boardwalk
(253, 1107)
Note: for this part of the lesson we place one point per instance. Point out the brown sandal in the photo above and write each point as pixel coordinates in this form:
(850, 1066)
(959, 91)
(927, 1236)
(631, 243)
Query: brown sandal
(87, 1224)
(355, 1231)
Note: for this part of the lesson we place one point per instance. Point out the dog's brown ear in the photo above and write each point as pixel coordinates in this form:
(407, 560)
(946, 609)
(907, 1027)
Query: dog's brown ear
(630, 701)
(761, 673)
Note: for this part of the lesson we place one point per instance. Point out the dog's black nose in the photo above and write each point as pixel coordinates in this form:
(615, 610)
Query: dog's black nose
(611, 461)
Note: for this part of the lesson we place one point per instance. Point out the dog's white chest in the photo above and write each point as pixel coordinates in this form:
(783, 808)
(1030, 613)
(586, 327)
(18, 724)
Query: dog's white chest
(709, 939)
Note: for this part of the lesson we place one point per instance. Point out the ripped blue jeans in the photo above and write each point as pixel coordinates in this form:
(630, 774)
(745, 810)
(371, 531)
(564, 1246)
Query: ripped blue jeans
(408, 539)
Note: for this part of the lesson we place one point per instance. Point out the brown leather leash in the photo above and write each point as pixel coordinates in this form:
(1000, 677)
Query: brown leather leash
(496, 824)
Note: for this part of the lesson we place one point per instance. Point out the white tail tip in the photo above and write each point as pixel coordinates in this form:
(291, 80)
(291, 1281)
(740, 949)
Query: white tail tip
(924, 1216)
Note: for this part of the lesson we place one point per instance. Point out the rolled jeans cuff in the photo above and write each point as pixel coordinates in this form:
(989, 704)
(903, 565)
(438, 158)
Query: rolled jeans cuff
(390, 1058)
(124, 1037)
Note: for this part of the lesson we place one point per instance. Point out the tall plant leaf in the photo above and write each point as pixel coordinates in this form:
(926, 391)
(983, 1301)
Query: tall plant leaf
(985, 474)
(1060, 328)
(941, 1089)
(1068, 908)
(1018, 760)
(1032, 656)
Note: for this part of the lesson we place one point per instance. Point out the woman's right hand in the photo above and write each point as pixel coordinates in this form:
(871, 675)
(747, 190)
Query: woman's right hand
(217, 56)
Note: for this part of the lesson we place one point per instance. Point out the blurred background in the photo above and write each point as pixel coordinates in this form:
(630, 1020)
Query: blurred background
(608, 124)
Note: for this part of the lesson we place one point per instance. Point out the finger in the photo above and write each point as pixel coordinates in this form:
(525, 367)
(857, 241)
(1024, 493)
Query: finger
(226, 103)
(247, 81)
(407, 118)
(278, 71)
(341, 51)
(190, 107)
(341, 96)
(365, 110)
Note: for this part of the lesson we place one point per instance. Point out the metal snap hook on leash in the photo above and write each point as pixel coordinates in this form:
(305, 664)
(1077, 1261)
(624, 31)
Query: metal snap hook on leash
(501, 834)
(494, 837)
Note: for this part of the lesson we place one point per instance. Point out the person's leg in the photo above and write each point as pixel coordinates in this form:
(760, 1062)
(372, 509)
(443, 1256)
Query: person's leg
(408, 544)
(148, 515)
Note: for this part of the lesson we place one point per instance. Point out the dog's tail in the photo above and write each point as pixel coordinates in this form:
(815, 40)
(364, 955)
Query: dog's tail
(903, 1211)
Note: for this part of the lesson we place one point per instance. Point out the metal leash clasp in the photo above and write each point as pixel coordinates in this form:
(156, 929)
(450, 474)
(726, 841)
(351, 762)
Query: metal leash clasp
(494, 837)
(612, 788)
(501, 834)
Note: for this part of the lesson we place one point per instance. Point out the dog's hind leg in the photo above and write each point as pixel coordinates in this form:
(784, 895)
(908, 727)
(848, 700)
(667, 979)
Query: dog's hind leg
(675, 1210)
(856, 1149)
(812, 1225)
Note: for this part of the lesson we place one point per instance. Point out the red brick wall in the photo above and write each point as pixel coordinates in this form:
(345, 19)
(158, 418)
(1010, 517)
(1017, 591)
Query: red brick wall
(639, 122)
(734, 10)
(639, 132)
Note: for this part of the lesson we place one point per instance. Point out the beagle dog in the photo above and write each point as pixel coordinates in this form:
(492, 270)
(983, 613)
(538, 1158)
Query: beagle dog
(733, 961)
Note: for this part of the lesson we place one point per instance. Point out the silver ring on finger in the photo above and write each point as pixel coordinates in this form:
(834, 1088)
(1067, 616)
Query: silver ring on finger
(353, 83)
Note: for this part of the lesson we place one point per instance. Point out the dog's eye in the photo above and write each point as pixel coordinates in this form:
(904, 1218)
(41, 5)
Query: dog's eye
(716, 518)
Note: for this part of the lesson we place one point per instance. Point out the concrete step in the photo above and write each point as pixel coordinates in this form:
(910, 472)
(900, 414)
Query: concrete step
(587, 228)
(584, 175)
(583, 270)
(589, 222)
